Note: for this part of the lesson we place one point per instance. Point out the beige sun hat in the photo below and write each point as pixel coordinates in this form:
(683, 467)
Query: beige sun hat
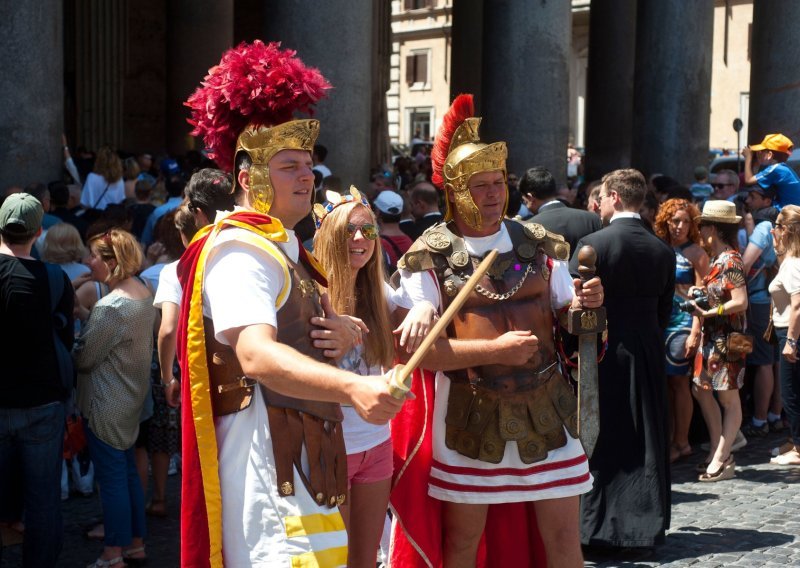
(720, 211)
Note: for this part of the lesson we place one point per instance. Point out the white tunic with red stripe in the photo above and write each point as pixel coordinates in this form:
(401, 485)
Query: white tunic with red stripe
(459, 479)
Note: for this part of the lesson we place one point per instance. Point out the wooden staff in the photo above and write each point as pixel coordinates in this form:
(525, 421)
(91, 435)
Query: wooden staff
(400, 382)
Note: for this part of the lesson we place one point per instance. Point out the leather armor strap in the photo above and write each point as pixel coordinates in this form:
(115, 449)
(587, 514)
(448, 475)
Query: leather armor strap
(326, 481)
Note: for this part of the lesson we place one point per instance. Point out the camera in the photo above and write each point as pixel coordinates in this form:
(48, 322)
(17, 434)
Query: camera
(700, 299)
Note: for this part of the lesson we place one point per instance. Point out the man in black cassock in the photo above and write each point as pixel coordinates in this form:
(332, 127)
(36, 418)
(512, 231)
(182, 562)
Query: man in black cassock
(629, 505)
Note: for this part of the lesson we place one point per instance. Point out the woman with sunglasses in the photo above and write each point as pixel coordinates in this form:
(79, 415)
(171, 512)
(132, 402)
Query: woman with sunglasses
(720, 362)
(676, 225)
(785, 291)
(347, 245)
(112, 357)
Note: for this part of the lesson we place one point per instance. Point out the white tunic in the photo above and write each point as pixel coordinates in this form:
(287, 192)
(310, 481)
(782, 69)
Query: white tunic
(260, 528)
(459, 479)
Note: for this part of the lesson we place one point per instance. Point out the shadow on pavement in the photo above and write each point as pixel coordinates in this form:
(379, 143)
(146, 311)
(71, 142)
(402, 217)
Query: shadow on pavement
(685, 497)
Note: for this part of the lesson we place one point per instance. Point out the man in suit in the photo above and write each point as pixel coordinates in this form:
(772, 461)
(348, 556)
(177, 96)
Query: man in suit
(424, 203)
(629, 505)
(538, 189)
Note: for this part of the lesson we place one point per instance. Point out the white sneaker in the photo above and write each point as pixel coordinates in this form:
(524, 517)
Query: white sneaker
(738, 443)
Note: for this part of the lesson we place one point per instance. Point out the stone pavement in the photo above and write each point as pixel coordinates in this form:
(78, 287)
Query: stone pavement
(752, 520)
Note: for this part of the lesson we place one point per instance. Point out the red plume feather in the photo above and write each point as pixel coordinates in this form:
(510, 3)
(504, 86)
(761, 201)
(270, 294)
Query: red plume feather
(462, 108)
(253, 83)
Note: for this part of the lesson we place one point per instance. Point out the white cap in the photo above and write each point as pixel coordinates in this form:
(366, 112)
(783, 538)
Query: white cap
(389, 202)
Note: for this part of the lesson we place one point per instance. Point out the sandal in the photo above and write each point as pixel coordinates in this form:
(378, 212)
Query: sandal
(156, 508)
(100, 563)
(701, 467)
(131, 560)
(726, 471)
(782, 449)
(678, 453)
(96, 531)
(791, 457)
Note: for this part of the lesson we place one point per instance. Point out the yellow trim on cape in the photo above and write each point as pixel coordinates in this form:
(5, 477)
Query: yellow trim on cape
(316, 523)
(198, 372)
(328, 558)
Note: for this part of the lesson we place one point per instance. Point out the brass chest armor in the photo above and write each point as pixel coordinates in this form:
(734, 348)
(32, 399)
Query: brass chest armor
(293, 422)
(491, 405)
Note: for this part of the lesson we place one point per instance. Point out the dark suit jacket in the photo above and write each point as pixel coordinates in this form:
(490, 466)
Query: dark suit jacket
(572, 224)
(414, 230)
(630, 461)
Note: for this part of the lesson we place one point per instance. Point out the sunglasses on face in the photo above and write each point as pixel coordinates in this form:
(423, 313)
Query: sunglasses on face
(368, 230)
(720, 185)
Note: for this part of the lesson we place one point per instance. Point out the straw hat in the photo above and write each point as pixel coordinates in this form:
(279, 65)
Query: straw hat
(720, 211)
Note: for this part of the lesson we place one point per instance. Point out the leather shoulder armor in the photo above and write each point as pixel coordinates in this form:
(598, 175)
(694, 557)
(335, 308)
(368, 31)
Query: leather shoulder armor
(528, 238)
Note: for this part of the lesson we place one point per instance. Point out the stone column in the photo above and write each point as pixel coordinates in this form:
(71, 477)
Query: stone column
(198, 33)
(609, 89)
(32, 100)
(526, 81)
(467, 49)
(775, 71)
(672, 87)
(337, 36)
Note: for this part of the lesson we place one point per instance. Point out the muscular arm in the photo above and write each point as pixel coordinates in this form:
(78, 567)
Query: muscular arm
(446, 354)
(285, 370)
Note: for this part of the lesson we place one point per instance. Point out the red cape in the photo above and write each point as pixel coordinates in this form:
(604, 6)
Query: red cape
(511, 537)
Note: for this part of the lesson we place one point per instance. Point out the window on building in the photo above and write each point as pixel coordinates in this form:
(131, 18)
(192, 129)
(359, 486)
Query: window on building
(417, 69)
(417, 4)
(419, 124)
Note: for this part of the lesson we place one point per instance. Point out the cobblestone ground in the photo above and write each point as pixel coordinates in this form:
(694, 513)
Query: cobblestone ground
(752, 520)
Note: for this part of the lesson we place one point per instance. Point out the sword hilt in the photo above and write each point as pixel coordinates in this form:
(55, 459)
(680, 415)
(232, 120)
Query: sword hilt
(587, 261)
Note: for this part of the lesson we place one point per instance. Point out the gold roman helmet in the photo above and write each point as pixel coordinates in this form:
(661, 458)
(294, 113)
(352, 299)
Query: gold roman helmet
(466, 156)
(261, 143)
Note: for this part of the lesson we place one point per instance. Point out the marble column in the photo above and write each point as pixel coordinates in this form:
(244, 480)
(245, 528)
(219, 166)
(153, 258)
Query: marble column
(466, 49)
(525, 90)
(672, 87)
(338, 37)
(775, 71)
(609, 89)
(198, 32)
(32, 100)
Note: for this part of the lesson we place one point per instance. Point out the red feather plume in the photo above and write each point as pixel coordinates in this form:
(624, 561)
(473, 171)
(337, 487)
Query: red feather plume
(462, 108)
(253, 83)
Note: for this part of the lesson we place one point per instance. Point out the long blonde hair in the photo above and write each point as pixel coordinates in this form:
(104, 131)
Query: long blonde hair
(789, 218)
(108, 165)
(363, 298)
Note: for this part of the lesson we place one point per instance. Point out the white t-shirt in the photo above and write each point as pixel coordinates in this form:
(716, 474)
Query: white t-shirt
(360, 436)
(169, 288)
(785, 285)
(94, 187)
(241, 284)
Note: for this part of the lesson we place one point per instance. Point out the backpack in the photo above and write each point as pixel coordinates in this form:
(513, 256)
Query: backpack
(66, 369)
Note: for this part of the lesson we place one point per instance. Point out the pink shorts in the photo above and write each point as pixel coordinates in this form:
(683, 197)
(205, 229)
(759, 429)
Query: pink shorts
(374, 464)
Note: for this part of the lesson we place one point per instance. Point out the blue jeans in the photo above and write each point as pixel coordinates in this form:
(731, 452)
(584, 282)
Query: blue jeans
(31, 447)
(120, 491)
(790, 388)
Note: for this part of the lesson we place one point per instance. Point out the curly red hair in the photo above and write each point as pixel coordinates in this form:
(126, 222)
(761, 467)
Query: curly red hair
(668, 210)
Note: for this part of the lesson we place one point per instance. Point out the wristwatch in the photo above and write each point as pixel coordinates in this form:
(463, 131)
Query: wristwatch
(792, 343)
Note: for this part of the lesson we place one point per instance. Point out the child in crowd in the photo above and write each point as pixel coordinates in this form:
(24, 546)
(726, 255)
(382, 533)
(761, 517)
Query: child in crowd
(771, 154)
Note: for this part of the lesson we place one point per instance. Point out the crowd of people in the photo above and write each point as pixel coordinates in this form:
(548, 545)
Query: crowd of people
(175, 308)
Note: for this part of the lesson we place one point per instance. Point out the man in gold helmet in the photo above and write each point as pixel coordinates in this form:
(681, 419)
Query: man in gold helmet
(503, 416)
(264, 458)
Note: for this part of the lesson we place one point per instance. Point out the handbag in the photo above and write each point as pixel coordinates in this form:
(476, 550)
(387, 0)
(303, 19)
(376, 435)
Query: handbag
(739, 343)
(769, 334)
